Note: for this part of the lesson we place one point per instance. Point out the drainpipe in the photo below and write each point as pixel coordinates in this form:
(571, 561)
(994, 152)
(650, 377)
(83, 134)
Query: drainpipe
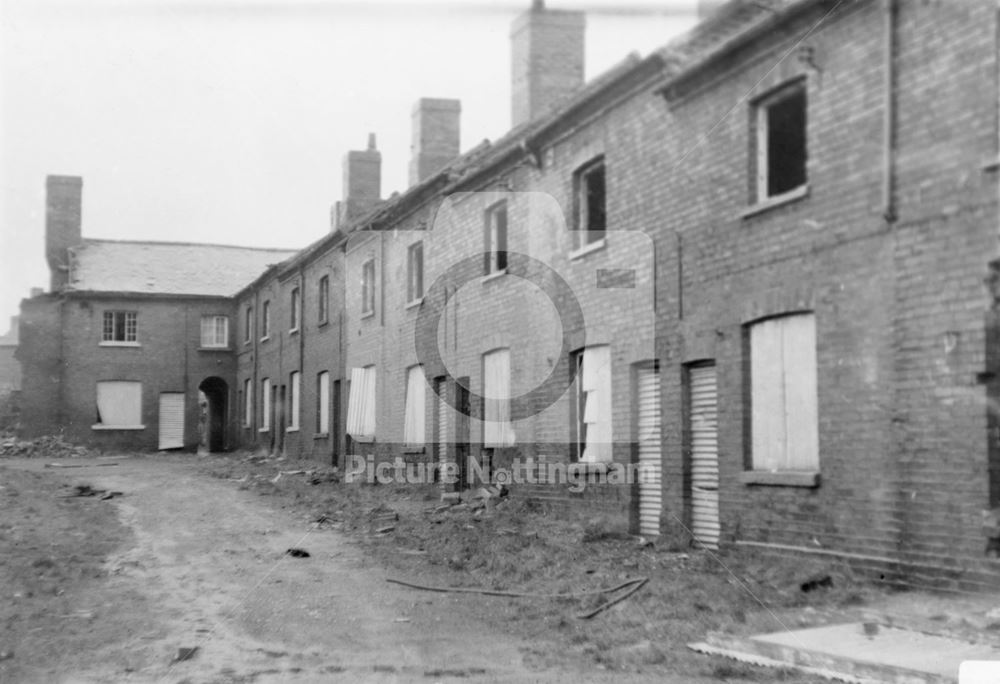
(255, 371)
(302, 354)
(889, 114)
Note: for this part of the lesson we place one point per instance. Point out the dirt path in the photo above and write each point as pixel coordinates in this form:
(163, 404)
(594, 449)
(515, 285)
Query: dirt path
(208, 569)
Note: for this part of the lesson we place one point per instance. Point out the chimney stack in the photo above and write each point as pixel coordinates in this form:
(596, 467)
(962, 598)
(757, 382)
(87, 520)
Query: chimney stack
(63, 204)
(436, 136)
(362, 177)
(546, 59)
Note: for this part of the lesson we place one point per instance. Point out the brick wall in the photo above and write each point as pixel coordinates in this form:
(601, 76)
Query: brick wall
(64, 361)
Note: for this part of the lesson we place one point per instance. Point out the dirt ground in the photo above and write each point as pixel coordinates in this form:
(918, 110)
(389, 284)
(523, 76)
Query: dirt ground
(193, 554)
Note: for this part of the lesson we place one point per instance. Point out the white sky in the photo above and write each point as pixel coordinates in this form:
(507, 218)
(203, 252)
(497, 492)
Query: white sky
(226, 120)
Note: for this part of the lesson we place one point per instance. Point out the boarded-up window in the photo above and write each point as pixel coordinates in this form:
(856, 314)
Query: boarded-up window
(413, 424)
(295, 380)
(119, 405)
(415, 272)
(248, 406)
(323, 299)
(784, 414)
(265, 404)
(497, 429)
(361, 404)
(323, 403)
(368, 287)
(593, 405)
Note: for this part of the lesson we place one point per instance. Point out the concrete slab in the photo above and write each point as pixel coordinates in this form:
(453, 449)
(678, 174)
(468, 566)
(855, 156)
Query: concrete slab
(898, 649)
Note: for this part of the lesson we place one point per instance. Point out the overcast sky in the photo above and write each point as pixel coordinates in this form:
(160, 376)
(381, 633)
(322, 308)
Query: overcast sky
(226, 120)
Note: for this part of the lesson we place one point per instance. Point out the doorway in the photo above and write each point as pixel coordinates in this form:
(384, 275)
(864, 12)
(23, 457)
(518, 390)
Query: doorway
(216, 409)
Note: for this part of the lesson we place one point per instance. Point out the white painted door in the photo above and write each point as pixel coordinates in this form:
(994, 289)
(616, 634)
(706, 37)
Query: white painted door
(171, 420)
(648, 437)
(704, 429)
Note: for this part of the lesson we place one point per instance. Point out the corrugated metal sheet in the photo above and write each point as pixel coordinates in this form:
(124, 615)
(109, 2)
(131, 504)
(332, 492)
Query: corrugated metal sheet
(171, 420)
(704, 430)
(648, 423)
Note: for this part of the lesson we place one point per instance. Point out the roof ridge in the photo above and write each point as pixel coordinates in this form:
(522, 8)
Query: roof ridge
(168, 243)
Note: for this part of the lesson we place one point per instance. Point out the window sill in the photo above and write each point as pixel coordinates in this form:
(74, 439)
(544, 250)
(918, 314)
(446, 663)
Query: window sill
(321, 435)
(786, 478)
(264, 429)
(414, 303)
(365, 439)
(117, 427)
(119, 344)
(367, 314)
(490, 277)
(594, 246)
(413, 449)
(247, 343)
(323, 324)
(291, 429)
(777, 201)
(214, 349)
(265, 338)
(991, 165)
(293, 331)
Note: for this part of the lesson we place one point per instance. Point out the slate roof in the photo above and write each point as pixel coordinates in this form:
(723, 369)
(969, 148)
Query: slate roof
(167, 268)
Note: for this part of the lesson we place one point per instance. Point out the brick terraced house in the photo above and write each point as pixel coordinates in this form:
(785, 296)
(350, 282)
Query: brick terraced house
(760, 261)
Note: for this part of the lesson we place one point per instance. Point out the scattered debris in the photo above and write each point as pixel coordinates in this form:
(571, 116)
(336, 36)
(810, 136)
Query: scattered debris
(639, 584)
(6, 655)
(78, 465)
(185, 653)
(818, 582)
(385, 530)
(86, 490)
(468, 672)
(402, 619)
(298, 553)
(634, 582)
(49, 446)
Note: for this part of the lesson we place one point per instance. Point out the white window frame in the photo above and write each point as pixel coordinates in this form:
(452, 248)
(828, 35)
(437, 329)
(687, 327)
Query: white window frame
(415, 272)
(294, 401)
(498, 430)
(265, 320)
(783, 394)
(119, 405)
(594, 402)
(762, 108)
(120, 329)
(248, 406)
(414, 420)
(584, 233)
(368, 288)
(210, 332)
(496, 238)
(323, 403)
(265, 405)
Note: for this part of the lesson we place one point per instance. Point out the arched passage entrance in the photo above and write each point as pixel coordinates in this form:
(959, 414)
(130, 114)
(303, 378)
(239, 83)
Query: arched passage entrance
(214, 412)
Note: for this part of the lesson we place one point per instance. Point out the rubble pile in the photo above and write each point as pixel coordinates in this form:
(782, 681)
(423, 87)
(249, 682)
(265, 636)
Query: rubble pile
(49, 446)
